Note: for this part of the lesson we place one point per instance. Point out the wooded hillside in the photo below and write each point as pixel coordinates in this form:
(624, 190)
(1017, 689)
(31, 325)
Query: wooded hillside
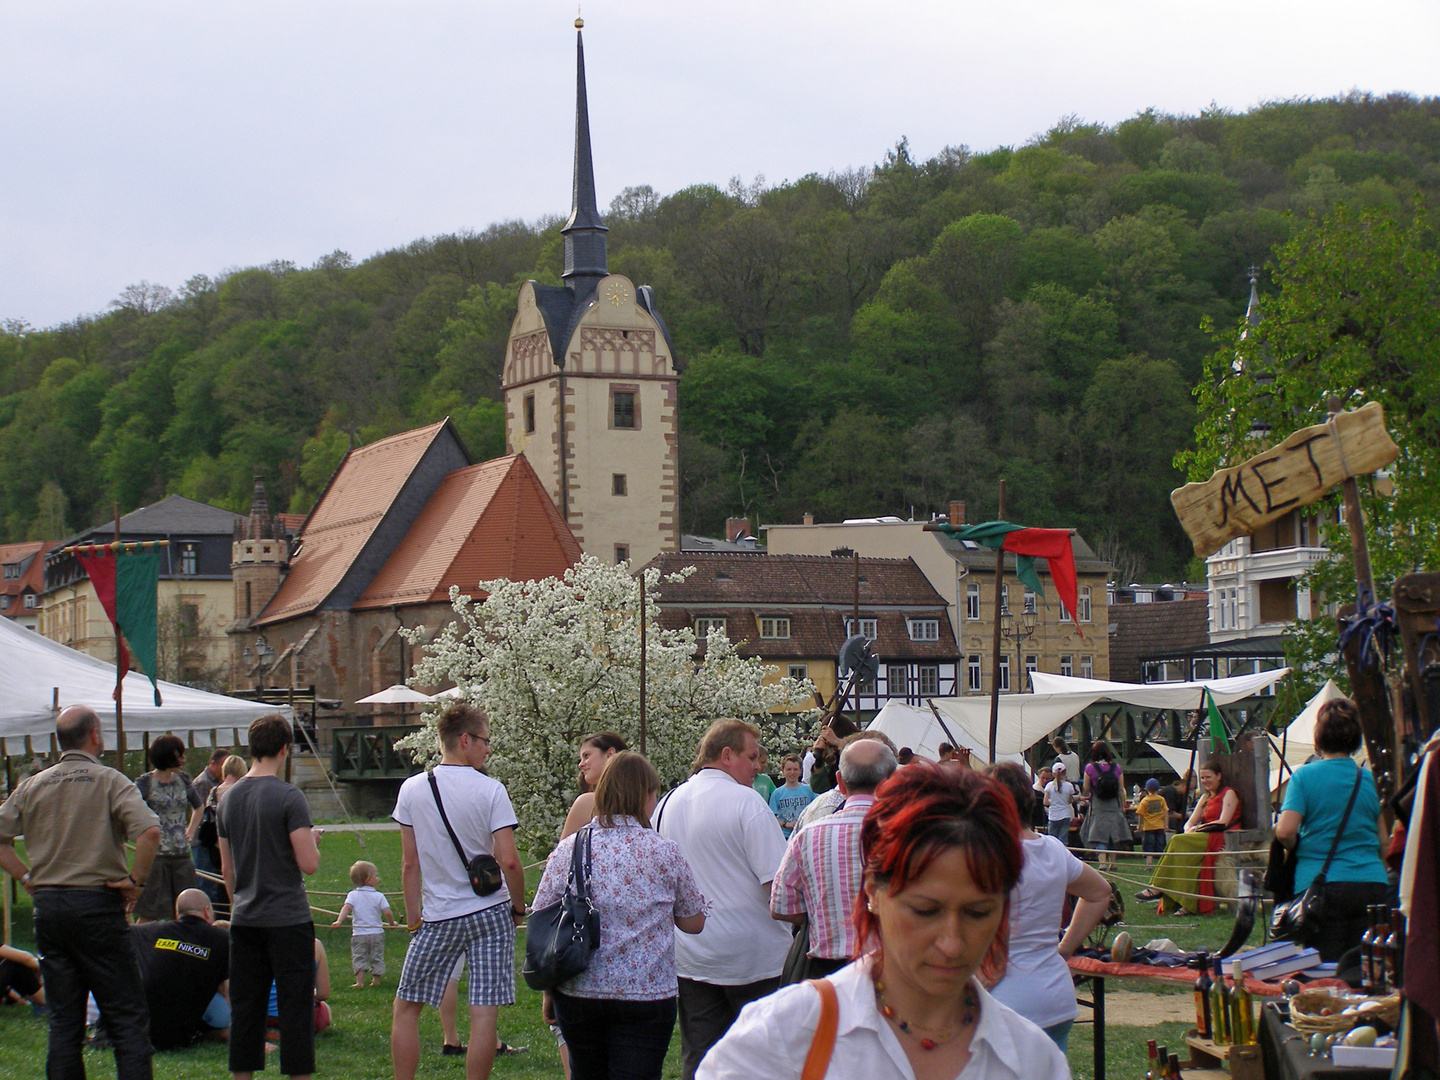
(859, 343)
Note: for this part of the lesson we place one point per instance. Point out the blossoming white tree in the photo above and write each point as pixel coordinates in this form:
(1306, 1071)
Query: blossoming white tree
(552, 660)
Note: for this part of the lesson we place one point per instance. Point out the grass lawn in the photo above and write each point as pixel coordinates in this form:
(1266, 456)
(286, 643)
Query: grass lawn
(358, 1044)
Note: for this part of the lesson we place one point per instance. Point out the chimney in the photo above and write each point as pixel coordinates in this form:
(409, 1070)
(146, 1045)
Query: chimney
(736, 528)
(957, 511)
(808, 519)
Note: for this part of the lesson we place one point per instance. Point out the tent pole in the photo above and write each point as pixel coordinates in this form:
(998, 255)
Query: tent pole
(119, 677)
(995, 646)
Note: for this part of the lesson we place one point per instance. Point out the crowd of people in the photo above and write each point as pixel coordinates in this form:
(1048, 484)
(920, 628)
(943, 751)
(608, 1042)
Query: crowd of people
(894, 915)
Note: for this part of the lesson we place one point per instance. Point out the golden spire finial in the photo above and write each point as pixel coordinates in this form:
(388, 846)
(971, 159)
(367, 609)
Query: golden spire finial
(579, 22)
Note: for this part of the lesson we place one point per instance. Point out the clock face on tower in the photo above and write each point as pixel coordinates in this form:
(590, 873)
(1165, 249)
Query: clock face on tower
(617, 294)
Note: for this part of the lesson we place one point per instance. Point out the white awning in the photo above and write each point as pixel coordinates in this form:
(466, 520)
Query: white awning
(916, 727)
(33, 668)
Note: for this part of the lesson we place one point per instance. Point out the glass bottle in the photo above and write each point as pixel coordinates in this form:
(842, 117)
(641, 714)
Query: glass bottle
(1395, 950)
(1242, 1009)
(1379, 951)
(1202, 995)
(1219, 1006)
(1367, 953)
(1173, 1072)
(1152, 1073)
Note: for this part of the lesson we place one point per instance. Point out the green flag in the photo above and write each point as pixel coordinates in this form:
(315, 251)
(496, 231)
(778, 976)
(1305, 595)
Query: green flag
(137, 578)
(1219, 741)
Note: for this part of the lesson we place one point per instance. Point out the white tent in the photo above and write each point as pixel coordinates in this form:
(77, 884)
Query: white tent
(33, 669)
(917, 728)
(1025, 719)
(1300, 734)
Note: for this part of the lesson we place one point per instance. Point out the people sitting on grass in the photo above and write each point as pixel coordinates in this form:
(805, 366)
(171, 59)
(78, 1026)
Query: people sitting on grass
(185, 963)
(370, 916)
(1184, 879)
(20, 978)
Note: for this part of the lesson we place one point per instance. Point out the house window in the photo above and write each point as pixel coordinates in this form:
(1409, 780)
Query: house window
(972, 672)
(704, 626)
(1203, 669)
(529, 414)
(29, 601)
(248, 608)
(190, 618)
(929, 680)
(775, 629)
(1065, 615)
(1067, 665)
(798, 672)
(1030, 601)
(1032, 663)
(897, 680)
(924, 629)
(1004, 673)
(622, 553)
(189, 560)
(1004, 599)
(618, 484)
(1087, 667)
(867, 628)
(623, 409)
(1084, 602)
(12, 571)
(972, 602)
(1144, 596)
(4, 602)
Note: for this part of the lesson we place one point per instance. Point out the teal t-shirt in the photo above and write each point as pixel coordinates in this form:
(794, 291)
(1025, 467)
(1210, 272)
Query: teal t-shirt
(788, 803)
(1318, 792)
(764, 785)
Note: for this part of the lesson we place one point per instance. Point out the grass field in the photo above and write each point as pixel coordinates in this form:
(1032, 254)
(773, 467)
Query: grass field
(358, 1044)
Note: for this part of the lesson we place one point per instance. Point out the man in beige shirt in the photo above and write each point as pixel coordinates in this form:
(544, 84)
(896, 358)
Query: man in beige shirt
(76, 817)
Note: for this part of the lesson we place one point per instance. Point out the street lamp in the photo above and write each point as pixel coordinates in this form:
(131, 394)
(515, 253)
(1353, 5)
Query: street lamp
(1020, 633)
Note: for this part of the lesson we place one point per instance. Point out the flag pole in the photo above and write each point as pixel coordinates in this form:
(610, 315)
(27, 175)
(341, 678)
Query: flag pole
(119, 676)
(995, 650)
(643, 660)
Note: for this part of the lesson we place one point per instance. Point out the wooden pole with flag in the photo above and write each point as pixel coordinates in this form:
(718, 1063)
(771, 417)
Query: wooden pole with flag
(995, 649)
(643, 651)
(119, 672)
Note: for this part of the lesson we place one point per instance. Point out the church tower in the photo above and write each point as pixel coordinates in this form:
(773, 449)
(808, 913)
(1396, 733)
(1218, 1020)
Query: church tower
(591, 382)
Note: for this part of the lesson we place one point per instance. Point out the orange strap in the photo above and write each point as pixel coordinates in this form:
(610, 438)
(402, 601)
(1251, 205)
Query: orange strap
(822, 1046)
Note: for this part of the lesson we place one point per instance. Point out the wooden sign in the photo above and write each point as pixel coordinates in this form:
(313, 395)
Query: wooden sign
(1237, 501)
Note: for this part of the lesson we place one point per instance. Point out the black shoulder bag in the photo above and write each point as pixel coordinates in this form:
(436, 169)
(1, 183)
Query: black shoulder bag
(483, 870)
(560, 938)
(1299, 919)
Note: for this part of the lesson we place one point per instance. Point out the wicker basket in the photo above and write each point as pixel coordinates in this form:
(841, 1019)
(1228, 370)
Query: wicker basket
(1306, 1017)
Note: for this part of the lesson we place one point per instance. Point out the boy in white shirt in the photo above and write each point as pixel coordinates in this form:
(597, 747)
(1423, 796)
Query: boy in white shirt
(370, 915)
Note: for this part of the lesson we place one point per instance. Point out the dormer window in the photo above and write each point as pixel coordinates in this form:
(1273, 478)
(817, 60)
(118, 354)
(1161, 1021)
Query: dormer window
(29, 601)
(189, 559)
(12, 571)
(867, 628)
(704, 626)
(924, 629)
(775, 628)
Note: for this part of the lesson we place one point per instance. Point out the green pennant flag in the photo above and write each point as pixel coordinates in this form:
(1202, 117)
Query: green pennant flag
(1219, 741)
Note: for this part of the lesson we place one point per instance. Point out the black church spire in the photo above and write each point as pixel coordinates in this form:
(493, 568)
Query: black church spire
(585, 232)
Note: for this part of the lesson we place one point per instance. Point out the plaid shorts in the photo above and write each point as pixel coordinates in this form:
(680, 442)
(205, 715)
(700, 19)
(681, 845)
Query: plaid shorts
(367, 953)
(486, 938)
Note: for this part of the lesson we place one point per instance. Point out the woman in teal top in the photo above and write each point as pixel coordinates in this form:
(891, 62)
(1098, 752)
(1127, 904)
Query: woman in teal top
(1315, 801)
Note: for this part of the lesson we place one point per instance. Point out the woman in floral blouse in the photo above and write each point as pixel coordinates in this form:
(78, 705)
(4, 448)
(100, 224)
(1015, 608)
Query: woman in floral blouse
(618, 1015)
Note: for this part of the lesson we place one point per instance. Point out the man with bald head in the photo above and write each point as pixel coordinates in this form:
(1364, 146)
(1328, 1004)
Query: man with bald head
(822, 872)
(76, 817)
(186, 965)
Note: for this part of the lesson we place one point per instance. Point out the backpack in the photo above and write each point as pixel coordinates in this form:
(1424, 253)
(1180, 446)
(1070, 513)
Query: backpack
(1106, 784)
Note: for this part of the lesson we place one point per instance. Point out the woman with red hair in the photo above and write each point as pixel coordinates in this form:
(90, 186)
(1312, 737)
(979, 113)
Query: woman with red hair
(941, 849)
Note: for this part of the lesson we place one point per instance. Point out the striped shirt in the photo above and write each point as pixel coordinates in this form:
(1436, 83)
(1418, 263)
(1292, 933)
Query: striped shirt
(821, 876)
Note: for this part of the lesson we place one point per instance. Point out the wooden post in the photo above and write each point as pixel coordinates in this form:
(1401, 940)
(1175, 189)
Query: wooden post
(995, 648)
(643, 663)
(119, 676)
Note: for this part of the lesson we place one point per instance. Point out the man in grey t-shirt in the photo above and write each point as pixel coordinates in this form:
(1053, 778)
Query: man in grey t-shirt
(267, 846)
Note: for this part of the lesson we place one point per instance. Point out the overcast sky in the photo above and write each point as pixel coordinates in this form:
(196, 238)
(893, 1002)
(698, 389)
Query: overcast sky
(157, 140)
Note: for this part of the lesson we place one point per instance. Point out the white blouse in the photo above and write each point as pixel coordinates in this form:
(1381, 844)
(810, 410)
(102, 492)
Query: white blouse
(771, 1038)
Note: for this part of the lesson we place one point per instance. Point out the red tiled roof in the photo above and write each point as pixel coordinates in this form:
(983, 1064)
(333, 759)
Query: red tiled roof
(815, 592)
(729, 576)
(351, 508)
(290, 523)
(1151, 629)
(32, 580)
(492, 520)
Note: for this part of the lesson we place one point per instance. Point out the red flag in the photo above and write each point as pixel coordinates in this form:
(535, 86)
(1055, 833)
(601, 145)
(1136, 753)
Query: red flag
(1052, 545)
(99, 563)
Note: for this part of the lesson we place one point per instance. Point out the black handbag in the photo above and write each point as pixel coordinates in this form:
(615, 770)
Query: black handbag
(797, 959)
(483, 870)
(560, 938)
(1299, 919)
(208, 834)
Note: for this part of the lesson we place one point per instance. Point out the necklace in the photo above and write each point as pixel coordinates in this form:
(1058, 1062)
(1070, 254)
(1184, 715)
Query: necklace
(969, 1002)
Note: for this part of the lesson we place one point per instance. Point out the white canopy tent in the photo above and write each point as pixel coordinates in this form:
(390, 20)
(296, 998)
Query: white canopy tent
(916, 727)
(33, 669)
(1300, 734)
(1025, 719)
